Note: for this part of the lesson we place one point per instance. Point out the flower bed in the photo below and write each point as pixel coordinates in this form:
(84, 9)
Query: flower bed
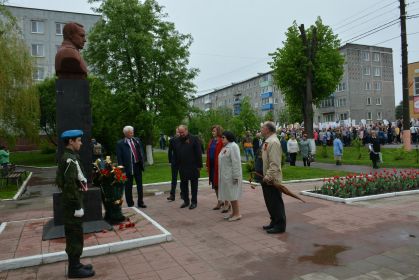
(385, 181)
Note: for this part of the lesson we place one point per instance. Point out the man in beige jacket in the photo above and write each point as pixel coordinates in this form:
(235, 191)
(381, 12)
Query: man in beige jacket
(272, 173)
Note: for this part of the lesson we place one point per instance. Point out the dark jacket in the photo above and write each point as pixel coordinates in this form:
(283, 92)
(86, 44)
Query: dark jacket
(188, 156)
(376, 147)
(125, 157)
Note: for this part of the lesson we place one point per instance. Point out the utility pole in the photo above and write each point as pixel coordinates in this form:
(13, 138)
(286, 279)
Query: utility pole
(405, 79)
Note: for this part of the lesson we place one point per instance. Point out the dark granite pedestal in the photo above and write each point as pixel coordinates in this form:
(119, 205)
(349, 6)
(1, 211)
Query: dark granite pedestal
(92, 219)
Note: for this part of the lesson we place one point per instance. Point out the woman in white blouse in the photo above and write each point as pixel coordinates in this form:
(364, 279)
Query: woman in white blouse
(230, 174)
(292, 146)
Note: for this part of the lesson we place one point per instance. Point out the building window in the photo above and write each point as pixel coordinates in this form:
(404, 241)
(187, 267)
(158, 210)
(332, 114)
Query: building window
(341, 86)
(369, 116)
(329, 117)
(367, 71)
(378, 101)
(377, 85)
(368, 100)
(343, 116)
(366, 56)
(416, 92)
(377, 71)
(379, 116)
(37, 50)
(37, 26)
(341, 102)
(59, 28)
(376, 57)
(367, 86)
(38, 73)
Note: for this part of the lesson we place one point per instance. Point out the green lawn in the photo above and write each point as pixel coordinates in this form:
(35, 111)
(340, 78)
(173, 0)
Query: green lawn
(391, 157)
(8, 192)
(160, 171)
(32, 158)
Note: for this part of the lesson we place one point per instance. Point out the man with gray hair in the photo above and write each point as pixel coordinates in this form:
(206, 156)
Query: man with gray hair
(272, 173)
(129, 152)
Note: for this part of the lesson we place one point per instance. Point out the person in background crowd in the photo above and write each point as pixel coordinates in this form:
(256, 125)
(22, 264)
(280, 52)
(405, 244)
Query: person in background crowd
(257, 142)
(230, 174)
(162, 142)
(284, 148)
(4, 159)
(374, 148)
(248, 146)
(338, 149)
(173, 166)
(188, 157)
(213, 150)
(97, 150)
(129, 153)
(292, 148)
(305, 150)
(316, 137)
(272, 173)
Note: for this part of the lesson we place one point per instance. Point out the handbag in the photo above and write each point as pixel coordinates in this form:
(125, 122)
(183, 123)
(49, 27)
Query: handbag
(310, 158)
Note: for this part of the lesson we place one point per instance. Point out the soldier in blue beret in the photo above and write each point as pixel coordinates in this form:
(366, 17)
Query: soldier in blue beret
(73, 183)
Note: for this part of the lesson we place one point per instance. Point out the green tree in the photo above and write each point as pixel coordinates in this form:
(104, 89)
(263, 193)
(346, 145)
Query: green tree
(269, 116)
(399, 111)
(19, 110)
(308, 67)
(289, 115)
(248, 116)
(144, 62)
(47, 105)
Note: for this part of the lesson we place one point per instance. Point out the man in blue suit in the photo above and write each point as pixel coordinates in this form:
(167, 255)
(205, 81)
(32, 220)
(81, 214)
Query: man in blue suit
(129, 153)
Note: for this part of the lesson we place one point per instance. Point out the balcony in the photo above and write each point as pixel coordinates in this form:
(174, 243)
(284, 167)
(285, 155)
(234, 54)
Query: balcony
(265, 83)
(266, 94)
(268, 106)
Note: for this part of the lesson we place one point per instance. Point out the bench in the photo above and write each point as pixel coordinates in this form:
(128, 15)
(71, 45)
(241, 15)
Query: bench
(10, 174)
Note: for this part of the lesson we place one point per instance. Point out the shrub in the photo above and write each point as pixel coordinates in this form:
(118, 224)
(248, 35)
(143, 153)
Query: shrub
(324, 151)
(357, 143)
(47, 148)
(401, 154)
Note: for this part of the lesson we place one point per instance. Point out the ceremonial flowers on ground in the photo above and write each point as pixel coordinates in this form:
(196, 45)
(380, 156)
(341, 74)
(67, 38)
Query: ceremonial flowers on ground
(363, 184)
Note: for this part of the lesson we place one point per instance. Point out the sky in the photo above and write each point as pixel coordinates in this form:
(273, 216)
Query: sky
(233, 38)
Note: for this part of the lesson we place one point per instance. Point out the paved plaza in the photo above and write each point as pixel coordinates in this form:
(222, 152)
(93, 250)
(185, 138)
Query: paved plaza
(324, 240)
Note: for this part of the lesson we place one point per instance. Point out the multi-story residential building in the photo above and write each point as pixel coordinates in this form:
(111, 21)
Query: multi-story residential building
(366, 91)
(42, 30)
(263, 95)
(413, 74)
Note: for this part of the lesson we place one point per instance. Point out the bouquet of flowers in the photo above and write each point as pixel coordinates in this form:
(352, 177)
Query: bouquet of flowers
(110, 179)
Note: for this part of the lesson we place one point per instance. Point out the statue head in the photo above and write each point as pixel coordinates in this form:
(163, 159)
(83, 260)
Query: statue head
(74, 33)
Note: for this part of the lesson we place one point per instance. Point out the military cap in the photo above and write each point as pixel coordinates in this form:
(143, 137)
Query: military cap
(71, 134)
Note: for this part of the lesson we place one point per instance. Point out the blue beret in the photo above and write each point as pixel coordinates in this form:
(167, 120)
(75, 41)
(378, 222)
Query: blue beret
(71, 134)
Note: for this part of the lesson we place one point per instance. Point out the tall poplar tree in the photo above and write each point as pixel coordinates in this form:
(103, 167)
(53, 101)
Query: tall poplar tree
(308, 67)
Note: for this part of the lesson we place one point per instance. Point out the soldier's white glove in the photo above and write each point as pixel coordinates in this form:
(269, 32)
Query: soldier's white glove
(79, 213)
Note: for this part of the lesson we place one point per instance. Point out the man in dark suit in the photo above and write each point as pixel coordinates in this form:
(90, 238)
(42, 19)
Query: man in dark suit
(173, 165)
(189, 160)
(129, 153)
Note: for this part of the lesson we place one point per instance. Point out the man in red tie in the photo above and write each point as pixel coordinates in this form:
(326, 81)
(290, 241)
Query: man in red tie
(129, 153)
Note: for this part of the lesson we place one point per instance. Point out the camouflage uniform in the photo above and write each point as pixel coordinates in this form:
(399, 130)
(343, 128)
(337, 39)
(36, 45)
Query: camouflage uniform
(72, 199)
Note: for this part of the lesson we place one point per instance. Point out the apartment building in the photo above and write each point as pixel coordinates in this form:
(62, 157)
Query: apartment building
(413, 76)
(366, 91)
(42, 31)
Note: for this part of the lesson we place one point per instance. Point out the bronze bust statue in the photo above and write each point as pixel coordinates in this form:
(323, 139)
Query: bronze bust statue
(68, 62)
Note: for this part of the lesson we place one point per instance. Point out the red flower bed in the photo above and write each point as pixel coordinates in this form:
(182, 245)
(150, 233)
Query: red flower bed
(385, 181)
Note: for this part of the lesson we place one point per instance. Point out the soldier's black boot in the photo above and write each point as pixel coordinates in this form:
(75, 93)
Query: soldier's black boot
(77, 270)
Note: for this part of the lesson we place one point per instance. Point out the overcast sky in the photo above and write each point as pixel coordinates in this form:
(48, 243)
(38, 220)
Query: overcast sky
(232, 38)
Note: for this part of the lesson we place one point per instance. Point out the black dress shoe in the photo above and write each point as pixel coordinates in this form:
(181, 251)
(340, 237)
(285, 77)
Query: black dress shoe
(80, 273)
(131, 205)
(267, 227)
(85, 266)
(142, 205)
(171, 198)
(184, 205)
(193, 206)
(275, 230)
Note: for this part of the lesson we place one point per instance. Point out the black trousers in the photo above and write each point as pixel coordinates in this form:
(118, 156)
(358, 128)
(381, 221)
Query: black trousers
(293, 158)
(74, 238)
(128, 186)
(275, 206)
(306, 161)
(184, 189)
(175, 171)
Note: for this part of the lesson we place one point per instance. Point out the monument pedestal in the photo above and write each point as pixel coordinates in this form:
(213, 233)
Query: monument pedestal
(92, 219)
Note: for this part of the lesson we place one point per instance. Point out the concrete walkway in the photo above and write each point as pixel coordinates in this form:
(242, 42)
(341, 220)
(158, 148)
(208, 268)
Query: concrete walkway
(324, 240)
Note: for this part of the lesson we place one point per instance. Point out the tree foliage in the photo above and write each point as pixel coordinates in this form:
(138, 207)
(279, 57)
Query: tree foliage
(19, 108)
(143, 60)
(291, 65)
(399, 111)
